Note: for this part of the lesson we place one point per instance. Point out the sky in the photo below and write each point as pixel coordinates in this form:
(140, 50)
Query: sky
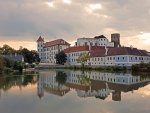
(23, 21)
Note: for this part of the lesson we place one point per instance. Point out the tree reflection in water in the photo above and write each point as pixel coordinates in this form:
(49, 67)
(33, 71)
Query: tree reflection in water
(8, 81)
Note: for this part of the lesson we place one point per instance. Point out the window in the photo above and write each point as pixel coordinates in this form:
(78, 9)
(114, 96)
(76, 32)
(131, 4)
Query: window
(123, 58)
(110, 58)
(118, 58)
(92, 59)
(85, 43)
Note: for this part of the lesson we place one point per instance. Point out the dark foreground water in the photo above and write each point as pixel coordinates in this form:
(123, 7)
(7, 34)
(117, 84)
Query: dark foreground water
(65, 91)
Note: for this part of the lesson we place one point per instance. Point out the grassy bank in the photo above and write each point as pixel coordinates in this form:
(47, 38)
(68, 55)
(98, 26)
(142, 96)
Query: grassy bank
(88, 68)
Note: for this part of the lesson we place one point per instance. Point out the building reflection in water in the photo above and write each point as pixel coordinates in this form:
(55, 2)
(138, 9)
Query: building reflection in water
(48, 82)
(89, 83)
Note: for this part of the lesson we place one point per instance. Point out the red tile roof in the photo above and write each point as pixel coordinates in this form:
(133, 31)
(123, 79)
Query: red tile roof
(76, 49)
(56, 42)
(99, 51)
(40, 39)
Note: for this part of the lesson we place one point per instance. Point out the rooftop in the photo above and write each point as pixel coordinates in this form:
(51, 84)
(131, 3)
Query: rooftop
(76, 49)
(56, 42)
(40, 39)
(99, 51)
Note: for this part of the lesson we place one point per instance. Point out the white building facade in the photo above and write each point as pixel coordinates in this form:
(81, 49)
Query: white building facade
(48, 50)
(96, 41)
(102, 56)
(102, 52)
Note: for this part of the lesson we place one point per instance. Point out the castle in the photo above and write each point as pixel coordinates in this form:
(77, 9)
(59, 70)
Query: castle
(102, 51)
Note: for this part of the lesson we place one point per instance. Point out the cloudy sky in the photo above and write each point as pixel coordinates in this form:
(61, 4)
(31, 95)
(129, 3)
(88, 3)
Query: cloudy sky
(23, 21)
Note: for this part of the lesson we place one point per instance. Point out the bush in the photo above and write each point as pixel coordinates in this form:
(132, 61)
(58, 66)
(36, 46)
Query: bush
(141, 67)
(7, 70)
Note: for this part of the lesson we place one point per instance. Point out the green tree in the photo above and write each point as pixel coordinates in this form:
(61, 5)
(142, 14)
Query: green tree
(61, 58)
(29, 56)
(83, 58)
(6, 49)
(61, 77)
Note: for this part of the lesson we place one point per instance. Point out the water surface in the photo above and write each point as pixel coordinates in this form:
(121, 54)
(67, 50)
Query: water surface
(67, 91)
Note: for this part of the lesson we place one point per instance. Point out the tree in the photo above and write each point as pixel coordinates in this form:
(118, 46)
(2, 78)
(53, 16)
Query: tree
(29, 56)
(6, 49)
(61, 58)
(61, 77)
(84, 57)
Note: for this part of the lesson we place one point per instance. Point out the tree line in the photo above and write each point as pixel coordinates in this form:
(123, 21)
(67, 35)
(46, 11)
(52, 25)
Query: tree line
(7, 65)
(30, 56)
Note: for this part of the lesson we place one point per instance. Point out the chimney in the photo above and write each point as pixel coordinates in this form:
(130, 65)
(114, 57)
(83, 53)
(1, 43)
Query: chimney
(90, 46)
(106, 50)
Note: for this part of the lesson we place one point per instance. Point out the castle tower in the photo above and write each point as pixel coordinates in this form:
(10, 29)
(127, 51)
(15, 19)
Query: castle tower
(116, 39)
(40, 47)
(40, 86)
(116, 96)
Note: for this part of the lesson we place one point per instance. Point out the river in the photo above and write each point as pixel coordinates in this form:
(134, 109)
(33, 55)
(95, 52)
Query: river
(68, 91)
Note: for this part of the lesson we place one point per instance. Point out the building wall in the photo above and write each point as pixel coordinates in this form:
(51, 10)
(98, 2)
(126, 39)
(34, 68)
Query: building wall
(40, 49)
(118, 60)
(73, 56)
(94, 42)
(48, 54)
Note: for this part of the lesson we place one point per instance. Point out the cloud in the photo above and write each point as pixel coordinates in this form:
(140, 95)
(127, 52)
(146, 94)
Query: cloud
(70, 19)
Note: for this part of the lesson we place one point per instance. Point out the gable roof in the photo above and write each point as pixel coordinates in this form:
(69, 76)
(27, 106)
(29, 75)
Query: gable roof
(40, 39)
(56, 42)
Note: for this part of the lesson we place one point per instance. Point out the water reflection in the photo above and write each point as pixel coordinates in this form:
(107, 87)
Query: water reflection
(89, 83)
(9, 81)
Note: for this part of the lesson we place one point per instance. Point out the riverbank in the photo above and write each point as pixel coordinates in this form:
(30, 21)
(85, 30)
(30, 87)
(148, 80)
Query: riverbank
(97, 68)
(142, 67)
